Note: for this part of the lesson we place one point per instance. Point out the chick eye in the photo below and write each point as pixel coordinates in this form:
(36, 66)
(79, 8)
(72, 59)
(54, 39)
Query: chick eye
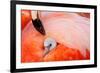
(49, 43)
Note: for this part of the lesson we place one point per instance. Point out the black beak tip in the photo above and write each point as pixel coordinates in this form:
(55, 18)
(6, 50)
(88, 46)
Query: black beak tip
(38, 26)
(42, 32)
